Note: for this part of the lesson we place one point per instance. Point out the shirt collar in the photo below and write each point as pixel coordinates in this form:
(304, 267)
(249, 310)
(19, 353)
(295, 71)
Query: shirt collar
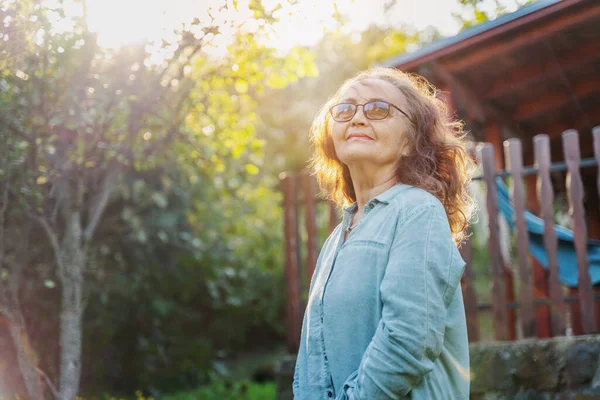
(384, 197)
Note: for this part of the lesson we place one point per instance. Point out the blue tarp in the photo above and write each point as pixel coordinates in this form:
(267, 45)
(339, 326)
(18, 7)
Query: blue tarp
(567, 257)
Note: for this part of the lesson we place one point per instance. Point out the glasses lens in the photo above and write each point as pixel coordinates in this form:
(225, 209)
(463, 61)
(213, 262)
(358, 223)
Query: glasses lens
(343, 112)
(377, 110)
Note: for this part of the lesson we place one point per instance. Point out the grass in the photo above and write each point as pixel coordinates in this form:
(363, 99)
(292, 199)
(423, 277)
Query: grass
(224, 390)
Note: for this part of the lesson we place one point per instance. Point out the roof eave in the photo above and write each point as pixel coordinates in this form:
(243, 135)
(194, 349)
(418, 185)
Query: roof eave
(480, 33)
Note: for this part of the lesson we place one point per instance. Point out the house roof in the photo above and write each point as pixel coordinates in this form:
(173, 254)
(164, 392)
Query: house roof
(536, 70)
(443, 46)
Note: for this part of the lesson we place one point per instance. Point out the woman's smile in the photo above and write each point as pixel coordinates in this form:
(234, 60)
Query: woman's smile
(359, 136)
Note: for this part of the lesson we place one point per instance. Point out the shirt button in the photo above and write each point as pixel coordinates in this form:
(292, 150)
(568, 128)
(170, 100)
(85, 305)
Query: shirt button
(371, 205)
(329, 393)
(325, 358)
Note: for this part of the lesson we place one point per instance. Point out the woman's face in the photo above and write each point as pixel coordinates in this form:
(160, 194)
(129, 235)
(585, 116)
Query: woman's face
(378, 142)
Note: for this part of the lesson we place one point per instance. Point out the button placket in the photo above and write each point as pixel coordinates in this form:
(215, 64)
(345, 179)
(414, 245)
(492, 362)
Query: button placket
(326, 374)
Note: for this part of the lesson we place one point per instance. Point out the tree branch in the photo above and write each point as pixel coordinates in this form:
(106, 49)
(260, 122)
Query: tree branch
(52, 237)
(48, 382)
(3, 289)
(100, 202)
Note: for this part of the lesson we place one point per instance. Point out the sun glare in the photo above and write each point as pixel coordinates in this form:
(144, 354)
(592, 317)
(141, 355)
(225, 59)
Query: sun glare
(301, 23)
(120, 22)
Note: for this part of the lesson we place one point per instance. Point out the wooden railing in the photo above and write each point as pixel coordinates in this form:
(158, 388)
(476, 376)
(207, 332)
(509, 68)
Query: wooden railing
(541, 303)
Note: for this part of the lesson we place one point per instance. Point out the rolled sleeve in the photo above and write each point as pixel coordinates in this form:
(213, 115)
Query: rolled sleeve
(423, 271)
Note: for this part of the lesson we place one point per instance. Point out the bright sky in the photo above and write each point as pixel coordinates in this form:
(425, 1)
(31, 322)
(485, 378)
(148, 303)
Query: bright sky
(119, 22)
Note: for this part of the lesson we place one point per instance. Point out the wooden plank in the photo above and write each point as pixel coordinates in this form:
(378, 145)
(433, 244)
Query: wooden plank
(596, 135)
(488, 36)
(291, 269)
(540, 292)
(546, 195)
(509, 289)
(500, 47)
(575, 196)
(309, 186)
(511, 80)
(540, 275)
(551, 101)
(575, 310)
(493, 134)
(468, 291)
(597, 293)
(514, 161)
(334, 218)
(499, 306)
(475, 109)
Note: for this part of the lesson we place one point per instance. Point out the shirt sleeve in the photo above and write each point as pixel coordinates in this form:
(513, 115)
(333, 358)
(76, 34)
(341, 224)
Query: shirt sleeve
(423, 272)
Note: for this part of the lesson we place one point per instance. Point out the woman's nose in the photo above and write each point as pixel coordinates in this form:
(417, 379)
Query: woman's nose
(359, 116)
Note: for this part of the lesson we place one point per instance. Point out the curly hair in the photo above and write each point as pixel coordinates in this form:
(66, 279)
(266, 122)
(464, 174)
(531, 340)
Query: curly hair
(437, 160)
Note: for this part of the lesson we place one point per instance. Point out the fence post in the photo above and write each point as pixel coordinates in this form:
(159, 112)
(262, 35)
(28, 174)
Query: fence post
(499, 306)
(596, 133)
(575, 195)
(291, 268)
(310, 220)
(514, 162)
(468, 291)
(546, 196)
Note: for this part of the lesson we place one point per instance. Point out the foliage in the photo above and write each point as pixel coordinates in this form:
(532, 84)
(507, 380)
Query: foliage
(475, 12)
(223, 390)
(149, 172)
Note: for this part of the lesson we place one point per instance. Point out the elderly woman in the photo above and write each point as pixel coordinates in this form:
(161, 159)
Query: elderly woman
(385, 315)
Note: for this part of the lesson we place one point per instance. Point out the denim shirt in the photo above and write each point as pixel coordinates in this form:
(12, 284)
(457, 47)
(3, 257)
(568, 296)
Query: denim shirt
(385, 316)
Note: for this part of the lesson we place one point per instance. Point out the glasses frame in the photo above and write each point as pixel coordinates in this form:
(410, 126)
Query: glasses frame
(363, 106)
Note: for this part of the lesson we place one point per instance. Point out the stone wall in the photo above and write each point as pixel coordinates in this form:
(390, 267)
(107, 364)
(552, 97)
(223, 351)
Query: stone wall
(557, 368)
(562, 368)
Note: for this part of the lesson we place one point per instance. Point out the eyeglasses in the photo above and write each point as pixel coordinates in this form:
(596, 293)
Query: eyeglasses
(373, 110)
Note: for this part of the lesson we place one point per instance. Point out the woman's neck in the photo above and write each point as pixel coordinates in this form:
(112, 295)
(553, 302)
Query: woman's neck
(366, 188)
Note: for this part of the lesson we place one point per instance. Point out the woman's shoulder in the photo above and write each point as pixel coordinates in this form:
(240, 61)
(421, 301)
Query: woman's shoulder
(415, 199)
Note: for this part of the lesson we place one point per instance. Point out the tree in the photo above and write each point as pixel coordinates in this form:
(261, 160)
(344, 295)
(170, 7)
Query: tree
(78, 119)
(475, 12)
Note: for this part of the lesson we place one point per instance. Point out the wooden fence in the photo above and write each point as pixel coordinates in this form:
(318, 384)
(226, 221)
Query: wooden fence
(545, 306)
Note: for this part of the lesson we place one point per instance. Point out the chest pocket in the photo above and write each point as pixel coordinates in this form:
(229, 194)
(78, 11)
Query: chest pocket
(353, 286)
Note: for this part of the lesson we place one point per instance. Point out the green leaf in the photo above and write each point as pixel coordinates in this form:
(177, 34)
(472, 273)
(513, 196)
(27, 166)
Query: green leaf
(160, 199)
(252, 169)
(241, 86)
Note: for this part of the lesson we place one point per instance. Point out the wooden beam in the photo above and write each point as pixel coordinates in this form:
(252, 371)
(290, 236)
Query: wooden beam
(586, 54)
(493, 135)
(463, 62)
(580, 236)
(514, 163)
(477, 109)
(555, 127)
(485, 153)
(551, 287)
(474, 107)
(549, 102)
(289, 187)
(479, 38)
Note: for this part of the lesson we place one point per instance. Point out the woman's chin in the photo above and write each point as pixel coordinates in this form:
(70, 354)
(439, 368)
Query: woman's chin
(358, 157)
